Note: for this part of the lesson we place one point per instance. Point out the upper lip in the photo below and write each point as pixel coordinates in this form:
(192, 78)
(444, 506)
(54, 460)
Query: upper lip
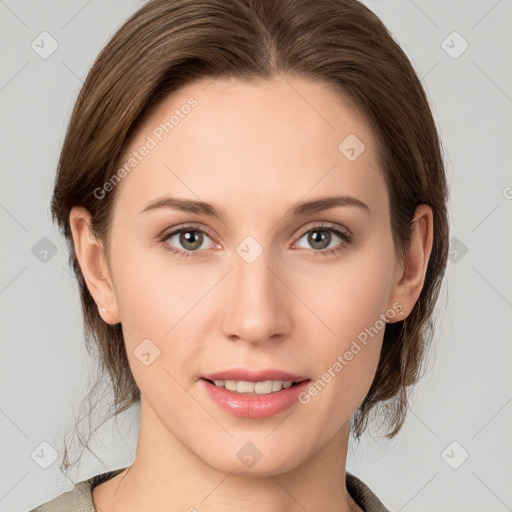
(254, 375)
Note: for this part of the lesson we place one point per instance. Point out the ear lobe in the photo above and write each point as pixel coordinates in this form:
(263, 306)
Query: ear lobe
(411, 278)
(90, 256)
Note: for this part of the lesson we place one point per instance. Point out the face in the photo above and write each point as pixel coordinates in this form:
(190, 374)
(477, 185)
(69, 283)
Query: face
(264, 285)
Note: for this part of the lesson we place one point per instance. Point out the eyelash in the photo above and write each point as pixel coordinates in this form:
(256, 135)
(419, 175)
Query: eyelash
(345, 237)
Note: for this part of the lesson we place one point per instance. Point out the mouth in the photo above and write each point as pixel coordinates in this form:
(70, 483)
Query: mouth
(265, 387)
(261, 397)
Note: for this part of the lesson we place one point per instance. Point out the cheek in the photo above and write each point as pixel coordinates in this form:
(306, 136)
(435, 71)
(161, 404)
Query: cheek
(153, 301)
(348, 297)
(159, 300)
(351, 305)
(153, 292)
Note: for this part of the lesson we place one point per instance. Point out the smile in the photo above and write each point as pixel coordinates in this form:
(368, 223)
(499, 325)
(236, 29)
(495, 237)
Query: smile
(258, 388)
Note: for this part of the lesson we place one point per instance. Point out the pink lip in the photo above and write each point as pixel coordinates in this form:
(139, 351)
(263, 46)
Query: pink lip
(254, 376)
(250, 405)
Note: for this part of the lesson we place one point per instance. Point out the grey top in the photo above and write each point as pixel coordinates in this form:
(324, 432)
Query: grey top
(79, 499)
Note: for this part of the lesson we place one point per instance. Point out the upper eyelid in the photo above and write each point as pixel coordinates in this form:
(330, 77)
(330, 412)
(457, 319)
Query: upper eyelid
(326, 225)
(172, 231)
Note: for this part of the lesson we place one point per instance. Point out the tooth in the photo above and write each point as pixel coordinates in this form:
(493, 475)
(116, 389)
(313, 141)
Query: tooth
(245, 387)
(230, 385)
(263, 388)
(260, 388)
(277, 385)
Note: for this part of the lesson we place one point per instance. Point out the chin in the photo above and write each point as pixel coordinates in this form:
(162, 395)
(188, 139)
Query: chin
(255, 458)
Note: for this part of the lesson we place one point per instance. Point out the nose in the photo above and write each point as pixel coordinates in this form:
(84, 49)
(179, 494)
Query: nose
(256, 304)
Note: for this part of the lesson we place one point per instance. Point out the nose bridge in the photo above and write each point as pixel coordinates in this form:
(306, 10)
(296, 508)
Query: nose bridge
(256, 306)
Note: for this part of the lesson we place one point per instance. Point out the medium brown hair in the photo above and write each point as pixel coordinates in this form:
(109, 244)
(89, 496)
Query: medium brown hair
(169, 43)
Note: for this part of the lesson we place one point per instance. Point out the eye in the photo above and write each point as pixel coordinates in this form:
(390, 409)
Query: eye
(321, 239)
(190, 238)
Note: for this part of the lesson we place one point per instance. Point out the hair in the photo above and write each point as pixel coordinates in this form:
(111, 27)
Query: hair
(341, 43)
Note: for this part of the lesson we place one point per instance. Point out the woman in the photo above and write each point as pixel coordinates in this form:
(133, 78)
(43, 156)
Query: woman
(254, 198)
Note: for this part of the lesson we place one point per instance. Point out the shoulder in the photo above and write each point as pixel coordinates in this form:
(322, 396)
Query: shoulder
(78, 499)
(363, 495)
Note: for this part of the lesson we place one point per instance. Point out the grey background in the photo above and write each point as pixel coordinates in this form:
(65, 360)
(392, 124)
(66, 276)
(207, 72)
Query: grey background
(466, 394)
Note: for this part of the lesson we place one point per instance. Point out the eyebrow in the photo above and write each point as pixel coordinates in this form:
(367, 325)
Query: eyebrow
(304, 208)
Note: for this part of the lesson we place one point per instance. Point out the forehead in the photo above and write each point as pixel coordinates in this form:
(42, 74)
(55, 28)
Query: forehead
(255, 139)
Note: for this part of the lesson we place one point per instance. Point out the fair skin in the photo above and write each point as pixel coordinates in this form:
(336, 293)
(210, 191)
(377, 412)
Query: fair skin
(254, 150)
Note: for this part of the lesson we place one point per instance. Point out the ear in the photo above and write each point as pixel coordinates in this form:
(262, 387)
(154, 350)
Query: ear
(410, 275)
(90, 255)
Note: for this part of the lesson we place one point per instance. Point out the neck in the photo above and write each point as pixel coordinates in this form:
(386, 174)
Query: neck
(167, 475)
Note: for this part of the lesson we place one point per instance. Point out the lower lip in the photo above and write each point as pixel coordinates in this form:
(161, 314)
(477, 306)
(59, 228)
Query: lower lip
(252, 405)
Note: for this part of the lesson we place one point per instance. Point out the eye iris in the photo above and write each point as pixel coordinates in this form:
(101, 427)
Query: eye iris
(191, 237)
(313, 239)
